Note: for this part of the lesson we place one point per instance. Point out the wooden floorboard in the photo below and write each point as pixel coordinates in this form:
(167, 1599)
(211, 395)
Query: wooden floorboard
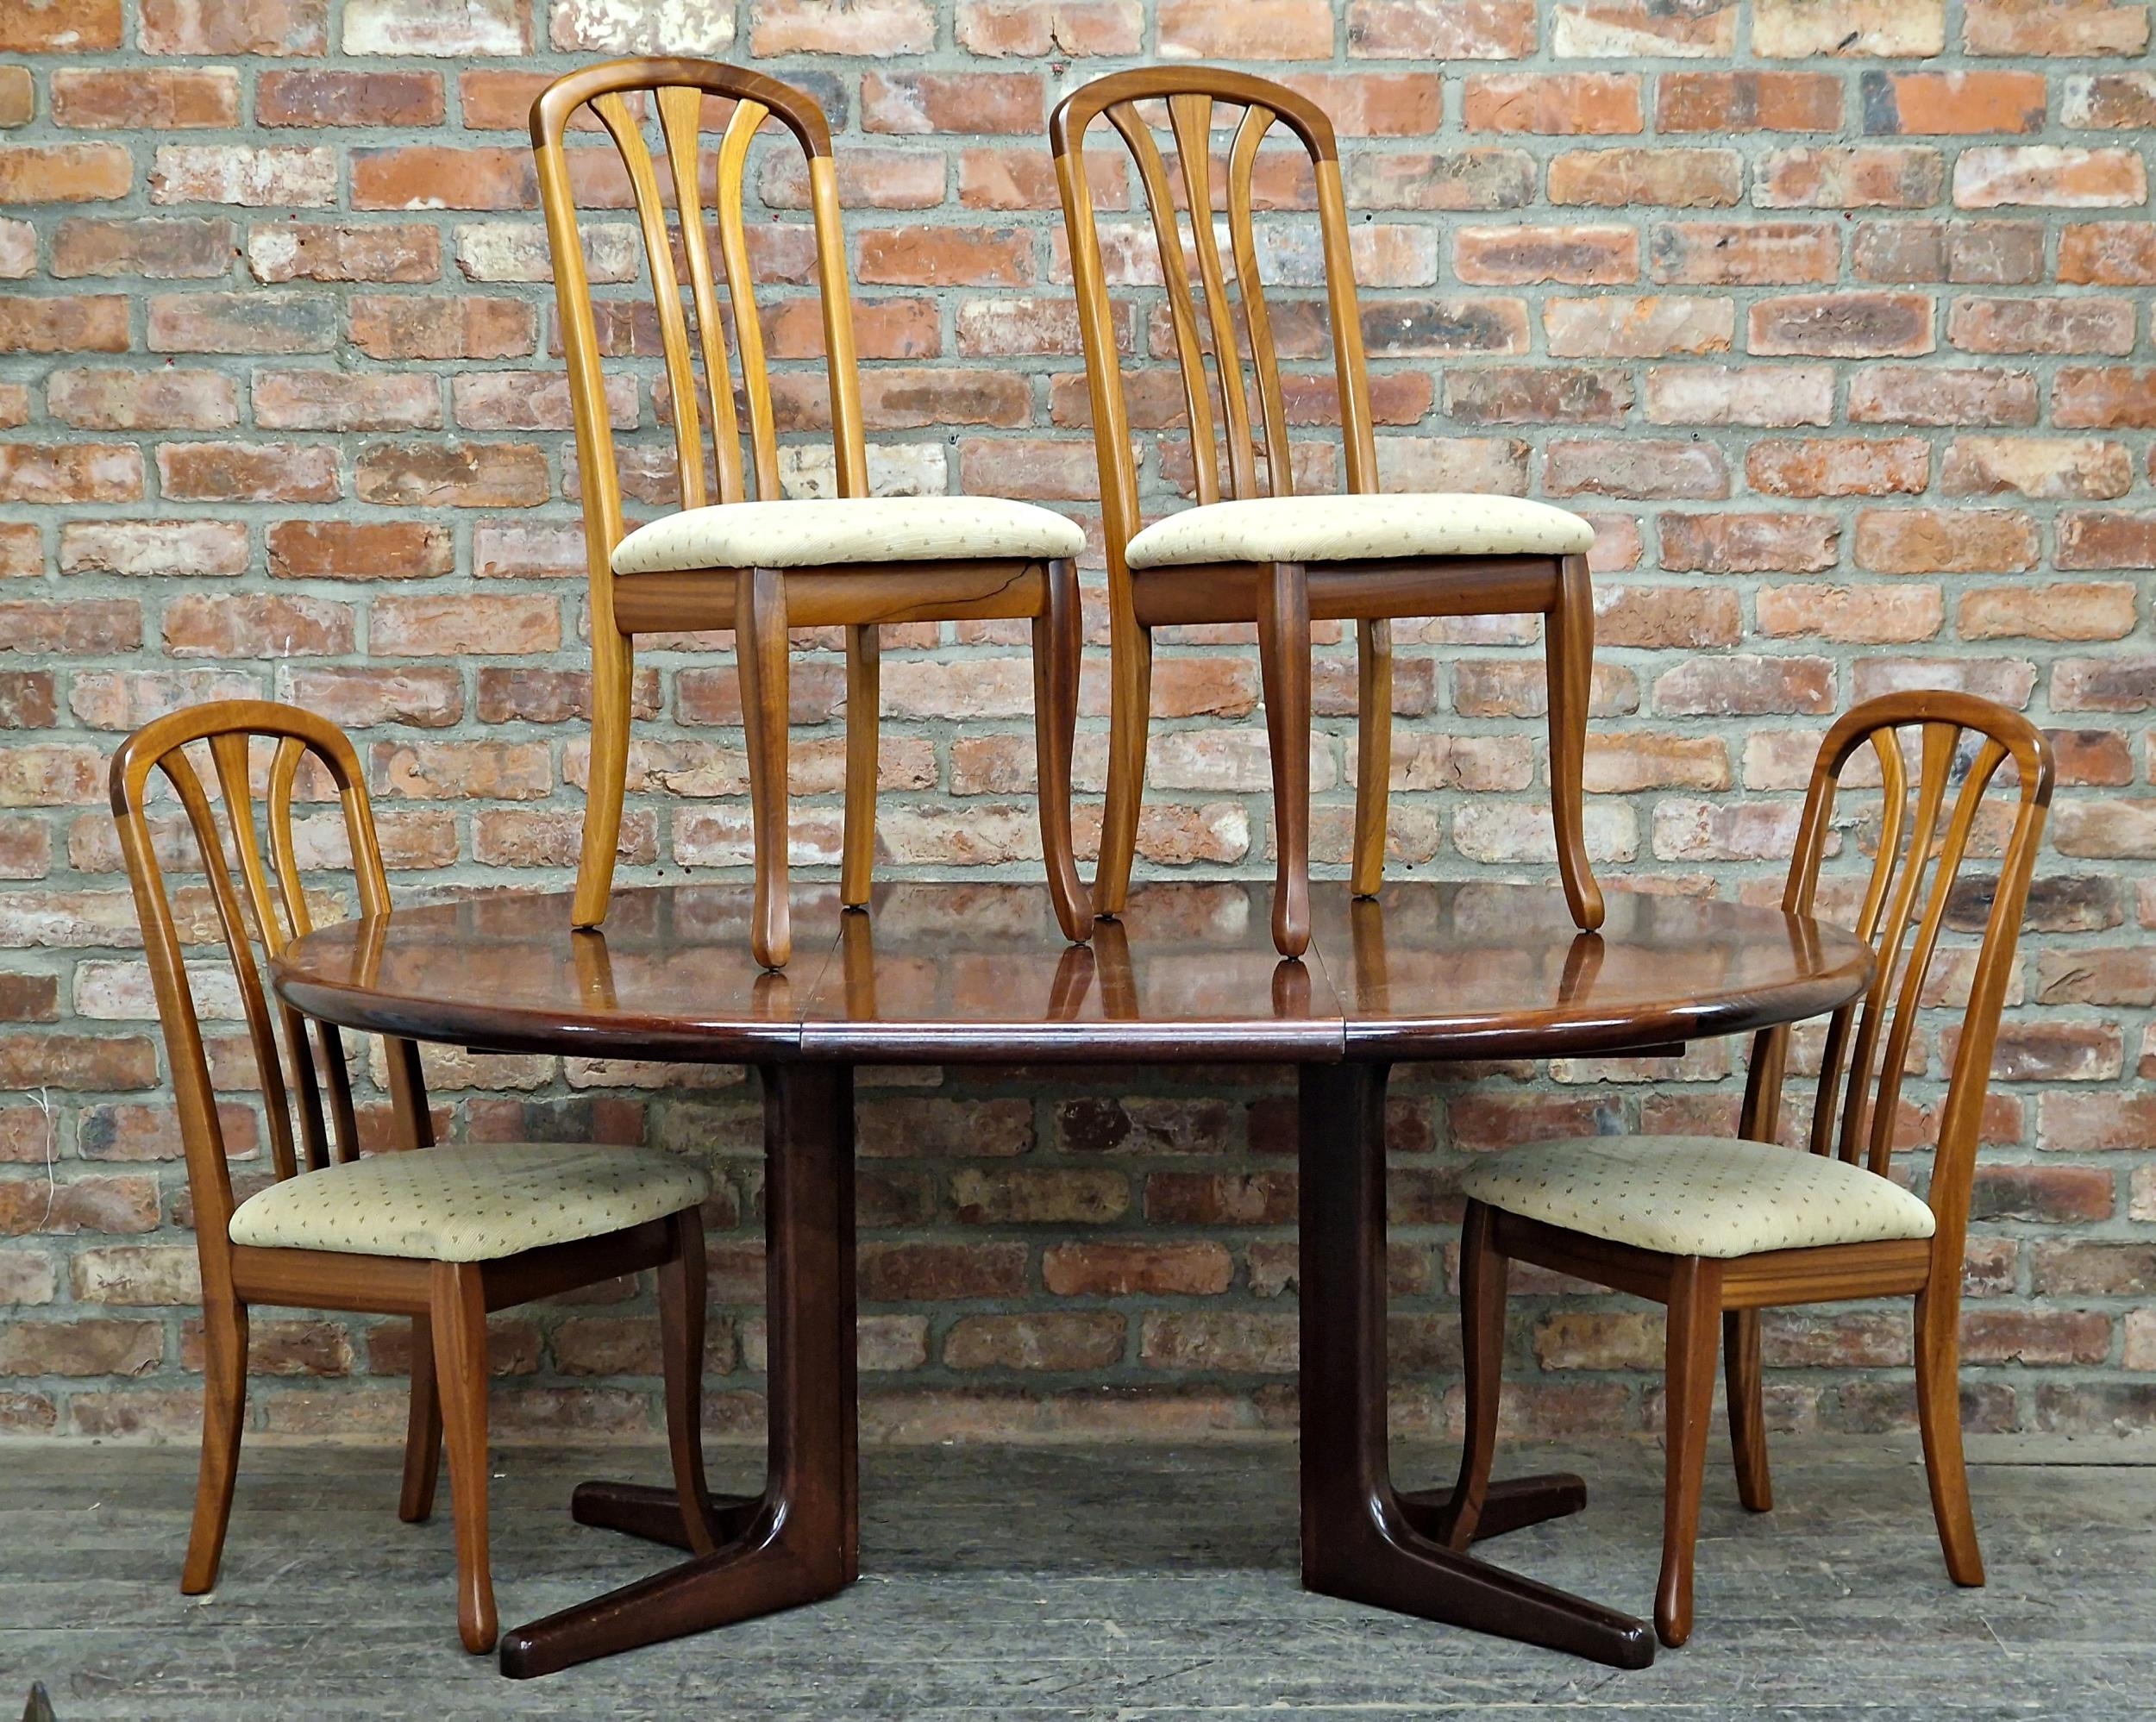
(1132, 1582)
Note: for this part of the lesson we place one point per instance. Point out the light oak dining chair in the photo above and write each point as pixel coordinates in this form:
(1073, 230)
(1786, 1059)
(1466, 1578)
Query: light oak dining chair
(439, 1233)
(761, 567)
(1716, 1229)
(1256, 551)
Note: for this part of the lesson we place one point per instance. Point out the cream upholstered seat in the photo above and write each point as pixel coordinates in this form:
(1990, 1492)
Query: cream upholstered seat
(1343, 528)
(817, 533)
(1697, 1195)
(470, 1202)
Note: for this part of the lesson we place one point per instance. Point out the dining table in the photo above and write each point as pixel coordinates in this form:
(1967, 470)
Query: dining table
(937, 974)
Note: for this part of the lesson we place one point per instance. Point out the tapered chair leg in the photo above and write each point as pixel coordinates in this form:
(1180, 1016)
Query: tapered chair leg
(423, 1429)
(223, 1411)
(1057, 645)
(1695, 1300)
(1747, 1408)
(613, 669)
(681, 1310)
(1483, 1335)
(1939, 1413)
(459, 1317)
(1571, 668)
(760, 651)
(1130, 713)
(1373, 752)
(1284, 653)
(864, 664)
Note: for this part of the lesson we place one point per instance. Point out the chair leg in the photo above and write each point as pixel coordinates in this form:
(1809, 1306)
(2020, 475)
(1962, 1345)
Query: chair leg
(1129, 712)
(613, 671)
(223, 1411)
(459, 1318)
(1483, 1335)
(760, 651)
(1938, 1412)
(681, 1306)
(1056, 644)
(422, 1431)
(1284, 653)
(864, 662)
(1373, 751)
(1747, 1408)
(1570, 670)
(1695, 1301)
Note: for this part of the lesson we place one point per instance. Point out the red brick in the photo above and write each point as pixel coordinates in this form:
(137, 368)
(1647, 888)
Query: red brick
(87, 324)
(1254, 30)
(2110, 683)
(1665, 174)
(2106, 538)
(281, 27)
(248, 626)
(248, 471)
(1951, 103)
(1851, 176)
(1608, 327)
(1477, 178)
(475, 27)
(349, 98)
(1569, 104)
(1516, 256)
(18, 97)
(81, 472)
(1894, 394)
(153, 548)
(2066, 27)
(142, 400)
(305, 251)
(1924, 541)
(161, 99)
(1838, 465)
(1029, 29)
(64, 172)
(2042, 467)
(2027, 324)
(946, 256)
(2107, 254)
(2052, 175)
(1777, 397)
(1797, 29)
(359, 699)
(1013, 102)
(1749, 543)
(1634, 466)
(1413, 30)
(1052, 1339)
(1742, 253)
(1993, 252)
(1743, 685)
(2058, 611)
(241, 323)
(425, 326)
(79, 627)
(462, 626)
(459, 475)
(459, 770)
(1842, 325)
(2086, 397)
(1867, 615)
(437, 176)
(872, 28)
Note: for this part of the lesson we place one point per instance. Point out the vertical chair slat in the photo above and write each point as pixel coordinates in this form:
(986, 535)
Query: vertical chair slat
(1190, 119)
(741, 289)
(1893, 812)
(673, 334)
(681, 123)
(1182, 313)
(1264, 356)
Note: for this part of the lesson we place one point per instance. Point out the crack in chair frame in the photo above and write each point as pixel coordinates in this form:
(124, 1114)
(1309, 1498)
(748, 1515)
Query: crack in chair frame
(759, 604)
(1281, 598)
(446, 1301)
(1859, 1126)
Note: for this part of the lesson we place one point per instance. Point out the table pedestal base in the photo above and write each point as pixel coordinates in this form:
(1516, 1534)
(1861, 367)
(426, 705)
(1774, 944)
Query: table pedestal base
(800, 1540)
(1362, 1539)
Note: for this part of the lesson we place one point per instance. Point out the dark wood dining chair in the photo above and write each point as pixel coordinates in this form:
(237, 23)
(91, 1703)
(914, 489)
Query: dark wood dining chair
(853, 561)
(1256, 551)
(439, 1233)
(1714, 1228)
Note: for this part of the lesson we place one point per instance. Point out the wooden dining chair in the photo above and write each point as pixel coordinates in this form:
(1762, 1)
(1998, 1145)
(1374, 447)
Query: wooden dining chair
(759, 566)
(1257, 552)
(442, 1234)
(1716, 1228)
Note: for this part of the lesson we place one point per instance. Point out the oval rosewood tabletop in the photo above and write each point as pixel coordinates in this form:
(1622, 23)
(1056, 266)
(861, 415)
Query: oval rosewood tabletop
(954, 971)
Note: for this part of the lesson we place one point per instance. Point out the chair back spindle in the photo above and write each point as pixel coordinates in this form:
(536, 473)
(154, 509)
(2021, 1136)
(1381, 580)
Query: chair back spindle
(1249, 448)
(623, 95)
(1927, 823)
(257, 892)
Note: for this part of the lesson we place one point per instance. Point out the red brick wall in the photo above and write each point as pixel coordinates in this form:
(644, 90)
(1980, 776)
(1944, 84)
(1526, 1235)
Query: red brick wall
(1833, 313)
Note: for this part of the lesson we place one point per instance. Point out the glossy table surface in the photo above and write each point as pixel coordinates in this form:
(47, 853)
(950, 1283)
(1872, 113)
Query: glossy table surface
(953, 972)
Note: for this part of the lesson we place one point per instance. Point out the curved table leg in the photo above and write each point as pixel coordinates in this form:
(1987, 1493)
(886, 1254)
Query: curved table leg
(1361, 1539)
(799, 1541)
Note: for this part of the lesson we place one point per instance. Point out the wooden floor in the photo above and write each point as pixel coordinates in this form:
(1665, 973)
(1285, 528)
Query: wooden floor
(1126, 1583)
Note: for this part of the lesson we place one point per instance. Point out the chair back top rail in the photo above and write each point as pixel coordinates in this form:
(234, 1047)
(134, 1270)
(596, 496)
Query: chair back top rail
(679, 92)
(243, 837)
(1856, 1112)
(1254, 445)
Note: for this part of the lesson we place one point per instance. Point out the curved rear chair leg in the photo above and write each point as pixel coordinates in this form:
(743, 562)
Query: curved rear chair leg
(1747, 1408)
(864, 664)
(223, 1411)
(1482, 1332)
(1570, 666)
(1373, 751)
(760, 651)
(1283, 653)
(423, 1430)
(1939, 1413)
(1129, 712)
(1057, 645)
(681, 1311)
(613, 668)
(458, 1300)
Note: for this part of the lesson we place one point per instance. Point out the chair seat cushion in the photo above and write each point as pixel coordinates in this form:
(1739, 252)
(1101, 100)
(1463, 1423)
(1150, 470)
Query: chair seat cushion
(1355, 529)
(470, 1202)
(816, 534)
(1697, 1195)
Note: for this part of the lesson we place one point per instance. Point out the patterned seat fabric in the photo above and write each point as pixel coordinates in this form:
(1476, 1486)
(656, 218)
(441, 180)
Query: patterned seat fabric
(471, 1202)
(815, 534)
(1697, 1195)
(1343, 528)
